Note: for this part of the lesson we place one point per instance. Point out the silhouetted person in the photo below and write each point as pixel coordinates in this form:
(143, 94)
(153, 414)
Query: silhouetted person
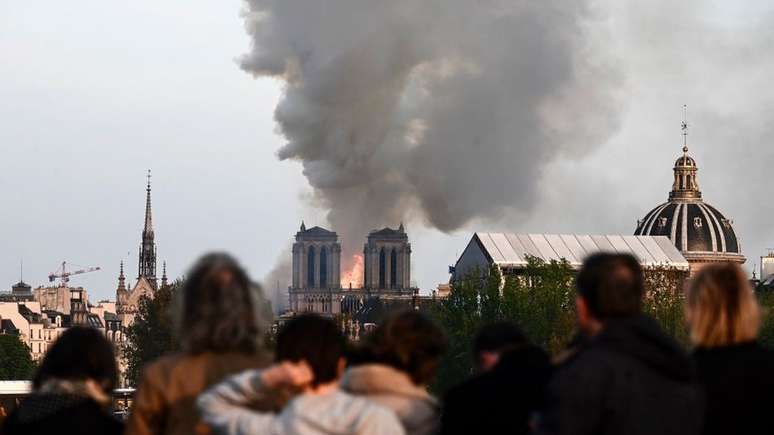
(396, 362)
(71, 389)
(508, 390)
(736, 373)
(628, 377)
(220, 334)
(310, 351)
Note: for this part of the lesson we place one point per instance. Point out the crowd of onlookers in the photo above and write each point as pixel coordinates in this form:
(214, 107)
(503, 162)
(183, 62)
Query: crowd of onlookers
(621, 374)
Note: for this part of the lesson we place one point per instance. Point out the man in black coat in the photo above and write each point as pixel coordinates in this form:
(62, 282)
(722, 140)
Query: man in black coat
(628, 377)
(503, 398)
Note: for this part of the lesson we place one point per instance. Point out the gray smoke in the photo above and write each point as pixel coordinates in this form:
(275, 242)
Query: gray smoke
(436, 111)
(277, 280)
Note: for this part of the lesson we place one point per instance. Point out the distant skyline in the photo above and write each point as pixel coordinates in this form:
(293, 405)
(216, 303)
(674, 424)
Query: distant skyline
(92, 95)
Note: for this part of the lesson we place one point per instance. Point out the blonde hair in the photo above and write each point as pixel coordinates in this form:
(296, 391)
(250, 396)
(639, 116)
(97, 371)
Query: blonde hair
(721, 308)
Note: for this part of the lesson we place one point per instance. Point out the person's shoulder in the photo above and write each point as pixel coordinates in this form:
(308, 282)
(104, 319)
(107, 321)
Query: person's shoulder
(586, 365)
(377, 418)
(165, 364)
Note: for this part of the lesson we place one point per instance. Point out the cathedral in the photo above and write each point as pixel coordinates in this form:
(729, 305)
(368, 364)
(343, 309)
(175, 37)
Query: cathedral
(699, 231)
(316, 273)
(128, 297)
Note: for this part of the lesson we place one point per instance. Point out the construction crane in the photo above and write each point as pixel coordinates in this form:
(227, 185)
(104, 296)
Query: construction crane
(64, 275)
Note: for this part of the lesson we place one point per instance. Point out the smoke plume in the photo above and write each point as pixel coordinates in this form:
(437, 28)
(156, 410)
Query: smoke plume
(437, 111)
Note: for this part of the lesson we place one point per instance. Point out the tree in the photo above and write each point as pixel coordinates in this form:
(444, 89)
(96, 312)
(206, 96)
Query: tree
(665, 300)
(15, 360)
(152, 333)
(766, 301)
(539, 299)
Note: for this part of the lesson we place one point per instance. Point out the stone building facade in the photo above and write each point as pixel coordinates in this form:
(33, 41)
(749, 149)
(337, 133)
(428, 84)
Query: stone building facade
(387, 260)
(316, 271)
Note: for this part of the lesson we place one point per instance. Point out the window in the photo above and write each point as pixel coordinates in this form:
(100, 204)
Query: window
(310, 267)
(393, 268)
(323, 267)
(382, 267)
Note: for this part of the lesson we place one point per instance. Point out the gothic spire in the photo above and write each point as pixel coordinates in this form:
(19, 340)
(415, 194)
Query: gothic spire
(147, 260)
(122, 278)
(164, 274)
(148, 214)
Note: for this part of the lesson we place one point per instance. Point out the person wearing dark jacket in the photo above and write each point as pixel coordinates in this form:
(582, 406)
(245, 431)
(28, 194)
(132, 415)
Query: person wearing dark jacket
(71, 389)
(627, 377)
(508, 390)
(734, 370)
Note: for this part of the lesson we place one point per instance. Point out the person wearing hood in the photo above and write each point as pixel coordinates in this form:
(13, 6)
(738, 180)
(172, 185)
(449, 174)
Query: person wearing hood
(734, 370)
(393, 366)
(71, 391)
(310, 355)
(628, 376)
(506, 392)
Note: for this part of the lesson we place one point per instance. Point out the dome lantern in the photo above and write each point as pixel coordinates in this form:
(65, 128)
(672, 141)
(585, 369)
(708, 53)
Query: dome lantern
(685, 185)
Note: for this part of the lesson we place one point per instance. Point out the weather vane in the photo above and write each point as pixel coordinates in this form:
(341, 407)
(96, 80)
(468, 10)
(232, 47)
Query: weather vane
(684, 127)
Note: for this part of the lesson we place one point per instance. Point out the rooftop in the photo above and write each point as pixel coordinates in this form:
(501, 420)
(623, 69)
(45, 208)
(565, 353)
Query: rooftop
(510, 249)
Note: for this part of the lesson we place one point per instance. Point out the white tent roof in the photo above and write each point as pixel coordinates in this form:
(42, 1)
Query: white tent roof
(509, 249)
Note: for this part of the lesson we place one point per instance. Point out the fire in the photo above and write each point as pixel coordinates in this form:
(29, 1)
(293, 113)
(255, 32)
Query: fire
(354, 276)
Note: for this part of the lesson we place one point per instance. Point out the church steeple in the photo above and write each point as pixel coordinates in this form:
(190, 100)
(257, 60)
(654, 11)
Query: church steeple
(147, 260)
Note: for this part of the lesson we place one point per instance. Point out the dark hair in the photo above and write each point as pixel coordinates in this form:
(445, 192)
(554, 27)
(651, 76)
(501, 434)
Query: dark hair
(498, 337)
(80, 353)
(408, 341)
(612, 285)
(219, 307)
(315, 340)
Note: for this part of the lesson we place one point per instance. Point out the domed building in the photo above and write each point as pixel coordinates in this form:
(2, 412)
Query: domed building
(699, 231)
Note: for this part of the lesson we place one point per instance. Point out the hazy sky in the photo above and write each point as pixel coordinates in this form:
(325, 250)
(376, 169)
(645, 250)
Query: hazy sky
(92, 94)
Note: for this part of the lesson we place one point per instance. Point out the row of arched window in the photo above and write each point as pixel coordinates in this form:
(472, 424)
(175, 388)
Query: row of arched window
(383, 268)
(310, 263)
(311, 259)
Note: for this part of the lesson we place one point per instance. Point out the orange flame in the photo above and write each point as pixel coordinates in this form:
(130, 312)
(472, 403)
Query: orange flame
(354, 276)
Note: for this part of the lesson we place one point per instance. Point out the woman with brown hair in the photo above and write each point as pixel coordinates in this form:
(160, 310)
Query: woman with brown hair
(737, 374)
(393, 366)
(220, 332)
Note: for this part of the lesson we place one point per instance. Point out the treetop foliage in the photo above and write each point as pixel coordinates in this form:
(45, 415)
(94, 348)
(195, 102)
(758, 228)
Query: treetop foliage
(15, 360)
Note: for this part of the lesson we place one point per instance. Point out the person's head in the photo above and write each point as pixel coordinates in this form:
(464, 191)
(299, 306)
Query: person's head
(721, 308)
(219, 311)
(79, 354)
(609, 286)
(493, 340)
(408, 341)
(317, 341)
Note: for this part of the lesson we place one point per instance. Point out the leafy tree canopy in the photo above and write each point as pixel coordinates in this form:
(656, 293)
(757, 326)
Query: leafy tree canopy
(540, 298)
(152, 333)
(15, 360)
